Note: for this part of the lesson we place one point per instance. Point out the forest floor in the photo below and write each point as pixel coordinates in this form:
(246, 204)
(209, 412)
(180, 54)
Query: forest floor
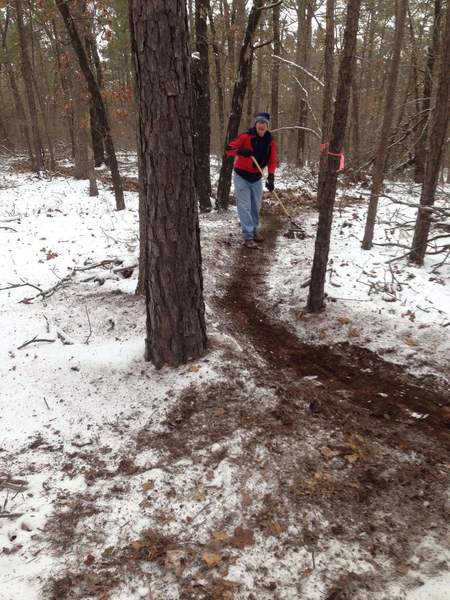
(304, 457)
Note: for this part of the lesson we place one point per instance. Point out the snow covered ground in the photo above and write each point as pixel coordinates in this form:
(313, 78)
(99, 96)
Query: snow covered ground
(390, 306)
(85, 422)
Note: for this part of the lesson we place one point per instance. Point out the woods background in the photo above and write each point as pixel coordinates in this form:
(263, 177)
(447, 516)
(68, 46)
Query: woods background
(45, 106)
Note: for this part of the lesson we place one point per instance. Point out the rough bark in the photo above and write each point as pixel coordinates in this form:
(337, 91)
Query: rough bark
(240, 87)
(438, 132)
(328, 192)
(327, 102)
(174, 286)
(388, 117)
(97, 99)
(141, 284)
(202, 110)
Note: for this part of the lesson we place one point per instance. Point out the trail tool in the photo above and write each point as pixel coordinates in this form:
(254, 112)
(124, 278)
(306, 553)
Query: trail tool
(294, 229)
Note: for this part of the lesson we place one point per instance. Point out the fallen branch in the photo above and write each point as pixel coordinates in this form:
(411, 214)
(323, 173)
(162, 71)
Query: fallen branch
(50, 291)
(8, 515)
(12, 286)
(35, 340)
(9, 229)
(103, 263)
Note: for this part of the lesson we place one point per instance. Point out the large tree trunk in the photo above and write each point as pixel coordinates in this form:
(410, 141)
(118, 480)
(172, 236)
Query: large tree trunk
(328, 192)
(38, 150)
(240, 87)
(432, 52)
(97, 99)
(438, 133)
(275, 66)
(388, 117)
(176, 329)
(202, 110)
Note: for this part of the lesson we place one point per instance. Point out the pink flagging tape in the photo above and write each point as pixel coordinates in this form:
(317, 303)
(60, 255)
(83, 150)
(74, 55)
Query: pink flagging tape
(339, 155)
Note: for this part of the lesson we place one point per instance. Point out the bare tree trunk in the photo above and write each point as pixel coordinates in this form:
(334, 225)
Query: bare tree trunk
(45, 109)
(432, 51)
(327, 106)
(96, 133)
(249, 96)
(355, 120)
(300, 101)
(5, 137)
(97, 100)
(38, 150)
(81, 158)
(388, 117)
(231, 41)
(305, 14)
(202, 109)
(219, 76)
(240, 86)
(176, 329)
(93, 189)
(23, 122)
(142, 275)
(438, 133)
(47, 131)
(448, 163)
(62, 65)
(328, 192)
(275, 66)
(258, 54)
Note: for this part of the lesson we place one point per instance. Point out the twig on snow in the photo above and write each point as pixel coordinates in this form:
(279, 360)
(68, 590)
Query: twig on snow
(12, 286)
(35, 340)
(90, 328)
(8, 515)
(102, 263)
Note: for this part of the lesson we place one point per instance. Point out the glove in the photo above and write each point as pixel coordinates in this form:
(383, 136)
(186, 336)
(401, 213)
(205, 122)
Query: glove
(244, 152)
(270, 183)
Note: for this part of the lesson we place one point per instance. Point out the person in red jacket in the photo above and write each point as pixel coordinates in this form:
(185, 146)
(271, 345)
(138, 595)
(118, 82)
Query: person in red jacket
(257, 142)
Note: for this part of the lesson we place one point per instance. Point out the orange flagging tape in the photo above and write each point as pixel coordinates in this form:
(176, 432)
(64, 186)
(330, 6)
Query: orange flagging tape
(339, 155)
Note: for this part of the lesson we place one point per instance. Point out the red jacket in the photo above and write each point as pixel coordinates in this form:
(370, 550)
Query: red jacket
(268, 157)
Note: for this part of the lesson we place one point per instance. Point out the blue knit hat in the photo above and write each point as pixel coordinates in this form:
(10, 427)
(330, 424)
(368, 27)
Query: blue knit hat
(263, 117)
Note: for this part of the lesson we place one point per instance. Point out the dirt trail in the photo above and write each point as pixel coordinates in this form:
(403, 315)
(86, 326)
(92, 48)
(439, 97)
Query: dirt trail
(376, 388)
